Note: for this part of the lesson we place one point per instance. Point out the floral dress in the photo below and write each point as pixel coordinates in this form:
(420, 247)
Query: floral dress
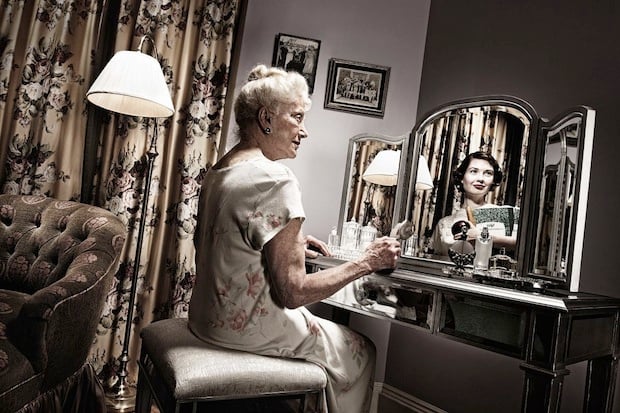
(241, 208)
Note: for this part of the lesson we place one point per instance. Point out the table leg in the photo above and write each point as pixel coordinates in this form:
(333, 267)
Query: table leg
(600, 384)
(542, 389)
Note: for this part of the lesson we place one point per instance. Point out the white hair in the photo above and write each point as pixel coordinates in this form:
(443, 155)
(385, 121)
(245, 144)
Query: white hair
(268, 87)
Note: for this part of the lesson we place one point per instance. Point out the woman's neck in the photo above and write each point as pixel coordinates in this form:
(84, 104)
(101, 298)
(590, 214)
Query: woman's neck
(474, 203)
(242, 151)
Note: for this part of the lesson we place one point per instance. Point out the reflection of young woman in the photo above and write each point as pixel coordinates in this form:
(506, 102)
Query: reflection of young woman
(475, 177)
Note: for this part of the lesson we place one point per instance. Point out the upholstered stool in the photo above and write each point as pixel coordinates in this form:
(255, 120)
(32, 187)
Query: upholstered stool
(179, 371)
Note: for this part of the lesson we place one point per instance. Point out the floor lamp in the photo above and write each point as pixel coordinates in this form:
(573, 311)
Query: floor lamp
(133, 83)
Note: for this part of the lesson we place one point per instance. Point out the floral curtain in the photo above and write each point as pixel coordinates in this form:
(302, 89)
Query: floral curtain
(53, 142)
(46, 49)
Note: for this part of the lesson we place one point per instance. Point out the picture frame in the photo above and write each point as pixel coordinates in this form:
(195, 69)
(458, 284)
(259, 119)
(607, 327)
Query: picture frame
(299, 54)
(356, 87)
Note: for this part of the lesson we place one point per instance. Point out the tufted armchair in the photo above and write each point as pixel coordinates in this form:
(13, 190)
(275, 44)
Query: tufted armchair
(57, 261)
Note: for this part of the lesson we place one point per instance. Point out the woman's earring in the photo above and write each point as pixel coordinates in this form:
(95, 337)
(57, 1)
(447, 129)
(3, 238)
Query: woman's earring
(267, 131)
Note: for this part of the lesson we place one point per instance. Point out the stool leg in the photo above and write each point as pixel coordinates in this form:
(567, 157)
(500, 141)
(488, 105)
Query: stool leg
(144, 397)
(302, 403)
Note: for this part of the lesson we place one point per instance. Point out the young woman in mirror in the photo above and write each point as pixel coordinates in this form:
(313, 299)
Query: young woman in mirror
(251, 284)
(476, 176)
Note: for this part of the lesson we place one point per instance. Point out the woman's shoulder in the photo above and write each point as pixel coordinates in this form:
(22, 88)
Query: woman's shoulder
(271, 169)
(261, 174)
(257, 165)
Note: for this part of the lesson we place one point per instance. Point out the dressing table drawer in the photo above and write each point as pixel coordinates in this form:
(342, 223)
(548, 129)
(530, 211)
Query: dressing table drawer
(405, 303)
(379, 296)
(498, 326)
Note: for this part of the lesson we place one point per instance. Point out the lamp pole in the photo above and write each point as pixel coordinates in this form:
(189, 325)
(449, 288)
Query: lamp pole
(121, 396)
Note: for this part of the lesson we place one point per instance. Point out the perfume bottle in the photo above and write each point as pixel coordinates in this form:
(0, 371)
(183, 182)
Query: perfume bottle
(484, 248)
(368, 233)
(350, 235)
(333, 241)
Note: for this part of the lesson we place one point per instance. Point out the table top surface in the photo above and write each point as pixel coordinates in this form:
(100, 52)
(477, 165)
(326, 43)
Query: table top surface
(558, 299)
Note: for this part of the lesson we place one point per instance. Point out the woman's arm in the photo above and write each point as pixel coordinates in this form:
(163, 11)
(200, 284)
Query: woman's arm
(292, 287)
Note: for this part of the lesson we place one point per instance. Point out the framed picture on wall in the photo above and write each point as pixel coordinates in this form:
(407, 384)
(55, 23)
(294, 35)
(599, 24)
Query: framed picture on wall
(356, 87)
(299, 54)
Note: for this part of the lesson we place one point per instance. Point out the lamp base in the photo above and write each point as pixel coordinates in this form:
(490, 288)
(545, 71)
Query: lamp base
(121, 399)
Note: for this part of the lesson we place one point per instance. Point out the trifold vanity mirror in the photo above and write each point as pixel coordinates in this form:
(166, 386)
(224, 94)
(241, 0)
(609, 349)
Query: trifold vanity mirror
(542, 190)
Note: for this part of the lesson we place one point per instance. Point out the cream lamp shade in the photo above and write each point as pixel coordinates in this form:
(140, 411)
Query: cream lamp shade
(383, 170)
(423, 180)
(132, 83)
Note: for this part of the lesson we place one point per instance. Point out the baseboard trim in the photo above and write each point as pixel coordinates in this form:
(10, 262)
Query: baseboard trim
(404, 399)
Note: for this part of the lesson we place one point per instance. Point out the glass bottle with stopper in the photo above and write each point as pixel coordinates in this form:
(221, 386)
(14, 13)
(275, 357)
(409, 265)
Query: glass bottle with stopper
(484, 248)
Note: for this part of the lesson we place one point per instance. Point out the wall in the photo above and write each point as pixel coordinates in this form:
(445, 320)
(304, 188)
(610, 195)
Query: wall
(352, 30)
(554, 55)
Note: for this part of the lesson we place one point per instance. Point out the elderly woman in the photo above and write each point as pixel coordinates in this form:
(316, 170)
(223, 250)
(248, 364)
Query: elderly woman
(251, 284)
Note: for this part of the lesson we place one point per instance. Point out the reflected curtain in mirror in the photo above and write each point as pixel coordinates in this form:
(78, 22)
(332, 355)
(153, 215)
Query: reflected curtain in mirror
(445, 142)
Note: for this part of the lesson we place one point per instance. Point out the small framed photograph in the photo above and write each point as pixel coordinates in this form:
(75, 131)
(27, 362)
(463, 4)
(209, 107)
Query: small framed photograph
(299, 54)
(356, 87)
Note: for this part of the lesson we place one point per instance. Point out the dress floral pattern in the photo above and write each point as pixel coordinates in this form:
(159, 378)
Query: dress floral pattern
(242, 207)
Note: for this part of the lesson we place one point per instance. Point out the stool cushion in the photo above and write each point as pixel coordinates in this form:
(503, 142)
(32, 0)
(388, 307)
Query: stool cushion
(193, 369)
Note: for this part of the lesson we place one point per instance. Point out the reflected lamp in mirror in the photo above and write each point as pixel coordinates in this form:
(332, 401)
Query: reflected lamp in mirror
(383, 170)
(423, 180)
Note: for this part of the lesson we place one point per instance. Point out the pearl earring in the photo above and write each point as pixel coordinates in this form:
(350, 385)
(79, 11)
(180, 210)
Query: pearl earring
(267, 131)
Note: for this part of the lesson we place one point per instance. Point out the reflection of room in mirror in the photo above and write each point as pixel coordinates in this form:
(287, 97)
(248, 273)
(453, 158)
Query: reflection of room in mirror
(557, 190)
(370, 201)
(445, 141)
(370, 191)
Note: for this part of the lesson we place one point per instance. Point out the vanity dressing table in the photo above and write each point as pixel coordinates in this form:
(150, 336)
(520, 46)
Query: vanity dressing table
(549, 331)
(529, 306)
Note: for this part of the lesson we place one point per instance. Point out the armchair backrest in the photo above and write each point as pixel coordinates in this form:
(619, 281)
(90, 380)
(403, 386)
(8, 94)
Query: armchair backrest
(41, 237)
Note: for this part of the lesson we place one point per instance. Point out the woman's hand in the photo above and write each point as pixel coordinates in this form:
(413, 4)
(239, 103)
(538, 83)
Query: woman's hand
(473, 233)
(381, 254)
(315, 246)
(463, 230)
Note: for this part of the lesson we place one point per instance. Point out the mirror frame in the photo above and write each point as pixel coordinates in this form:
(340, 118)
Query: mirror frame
(511, 103)
(348, 173)
(577, 216)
